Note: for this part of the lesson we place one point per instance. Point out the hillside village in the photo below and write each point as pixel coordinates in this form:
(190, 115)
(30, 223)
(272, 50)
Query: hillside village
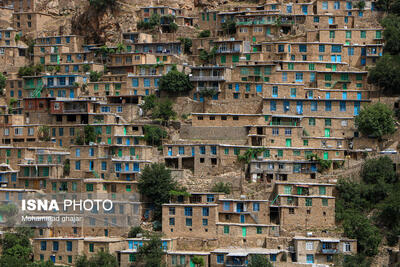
(265, 109)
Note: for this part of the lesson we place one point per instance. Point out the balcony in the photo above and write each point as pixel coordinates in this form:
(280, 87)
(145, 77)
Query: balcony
(329, 251)
(207, 78)
(199, 89)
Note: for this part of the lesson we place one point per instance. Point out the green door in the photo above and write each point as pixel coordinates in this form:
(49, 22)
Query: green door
(288, 142)
(326, 155)
(327, 132)
(191, 263)
(333, 67)
(124, 130)
(244, 231)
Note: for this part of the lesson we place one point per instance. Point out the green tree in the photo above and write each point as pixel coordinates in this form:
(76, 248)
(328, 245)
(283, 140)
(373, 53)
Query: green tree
(175, 82)
(3, 80)
(44, 133)
(204, 34)
(95, 76)
(134, 231)
(229, 26)
(149, 103)
(87, 136)
(102, 5)
(154, 134)
(101, 258)
(222, 187)
(391, 34)
(164, 111)
(389, 214)
(187, 44)
(386, 74)
(86, 68)
(259, 260)
(357, 226)
(198, 261)
(376, 120)
(151, 253)
(154, 184)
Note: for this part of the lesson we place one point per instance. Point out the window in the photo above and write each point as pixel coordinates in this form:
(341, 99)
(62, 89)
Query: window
(299, 77)
(328, 122)
(308, 202)
(188, 211)
(322, 190)
(172, 211)
(316, 19)
(363, 34)
(188, 222)
(303, 48)
(206, 211)
(328, 106)
(309, 245)
(55, 245)
(332, 34)
(171, 221)
(311, 121)
(69, 246)
(272, 105)
(346, 247)
(226, 206)
(314, 106)
(325, 202)
(291, 210)
(91, 247)
(43, 245)
(210, 198)
(324, 5)
(256, 206)
(226, 229)
(292, 92)
(287, 189)
(280, 153)
(220, 258)
(342, 106)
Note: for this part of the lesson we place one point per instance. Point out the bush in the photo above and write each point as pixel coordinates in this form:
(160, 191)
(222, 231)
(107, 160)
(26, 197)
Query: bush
(149, 25)
(386, 74)
(31, 70)
(154, 135)
(86, 68)
(87, 136)
(187, 44)
(229, 27)
(204, 34)
(3, 80)
(175, 82)
(102, 5)
(163, 111)
(375, 120)
(149, 103)
(222, 188)
(134, 231)
(95, 76)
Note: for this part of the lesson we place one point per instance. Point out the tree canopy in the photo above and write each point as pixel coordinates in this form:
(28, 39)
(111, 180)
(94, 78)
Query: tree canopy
(151, 253)
(2, 83)
(259, 260)
(175, 82)
(155, 184)
(163, 111)
(101, 258)
(154, 134)
(375, 120)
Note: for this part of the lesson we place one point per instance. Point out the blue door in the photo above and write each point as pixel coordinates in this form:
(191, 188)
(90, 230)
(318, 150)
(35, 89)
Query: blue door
(363, 51)
(299, 107)
(310, 258)
(356, 108)
(193, 151)
(136, 167)
(239, 207)
(71, 93)
(169, 151)
(330, 20)
(313, 167)
(359, 96)
(304, 9)
(242, 220)
(53, 259)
